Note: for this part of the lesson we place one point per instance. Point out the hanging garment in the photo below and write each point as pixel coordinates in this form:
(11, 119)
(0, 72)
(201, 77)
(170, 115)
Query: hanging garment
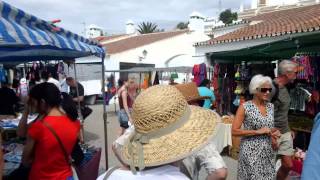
(215, 77)
(203, 72)
(196, 74)
(60, 69)
(146, 79)
(299, 98)
(153, 75)
(244, 72)
(156, 79)
(2, 75)
(23, 88)
(10, 76)
(307, 71)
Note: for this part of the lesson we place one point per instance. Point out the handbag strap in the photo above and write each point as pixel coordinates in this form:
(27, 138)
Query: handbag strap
(66, 156)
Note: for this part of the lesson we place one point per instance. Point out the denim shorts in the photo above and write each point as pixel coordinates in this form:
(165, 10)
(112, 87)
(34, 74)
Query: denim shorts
(123, 118)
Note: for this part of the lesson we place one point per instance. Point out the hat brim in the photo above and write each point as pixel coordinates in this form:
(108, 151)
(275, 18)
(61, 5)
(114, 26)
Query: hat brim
(199, 98)
(183, 142)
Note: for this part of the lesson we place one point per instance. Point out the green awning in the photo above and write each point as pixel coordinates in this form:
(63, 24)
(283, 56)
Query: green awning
(284, 49)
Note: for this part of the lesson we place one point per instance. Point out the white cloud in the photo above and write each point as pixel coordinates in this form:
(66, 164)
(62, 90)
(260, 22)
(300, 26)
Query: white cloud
(112, 14)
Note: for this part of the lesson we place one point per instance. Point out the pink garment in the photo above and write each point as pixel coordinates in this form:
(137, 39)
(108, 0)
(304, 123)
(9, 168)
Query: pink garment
(307, 72)
(196, 74)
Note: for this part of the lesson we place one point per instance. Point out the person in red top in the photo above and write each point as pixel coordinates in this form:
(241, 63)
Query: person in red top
(42, 151)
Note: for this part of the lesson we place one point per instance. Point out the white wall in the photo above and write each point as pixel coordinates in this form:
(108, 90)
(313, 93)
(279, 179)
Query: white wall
(254, 4)
(179, 50)
(160, 51)
(281, 2)
(94, 32)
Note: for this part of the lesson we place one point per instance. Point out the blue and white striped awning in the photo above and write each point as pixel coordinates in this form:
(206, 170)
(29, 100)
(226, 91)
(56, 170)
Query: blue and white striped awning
(24, 37)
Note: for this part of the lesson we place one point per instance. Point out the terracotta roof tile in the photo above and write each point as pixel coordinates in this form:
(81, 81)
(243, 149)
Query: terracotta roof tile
(139, 40)
(297, 20)
(107, 38)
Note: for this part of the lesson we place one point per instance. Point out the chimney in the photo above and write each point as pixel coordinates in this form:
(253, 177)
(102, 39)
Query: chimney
(241, 8)
(196, 22)
(254, 4)
(130, 28)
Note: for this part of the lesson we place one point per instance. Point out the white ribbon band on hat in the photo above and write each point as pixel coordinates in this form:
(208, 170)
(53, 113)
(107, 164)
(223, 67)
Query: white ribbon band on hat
(139, 138)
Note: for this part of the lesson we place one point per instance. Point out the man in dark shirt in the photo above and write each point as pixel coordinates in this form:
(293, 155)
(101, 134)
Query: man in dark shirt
(281, 101)
(73, 90)
(8, 100)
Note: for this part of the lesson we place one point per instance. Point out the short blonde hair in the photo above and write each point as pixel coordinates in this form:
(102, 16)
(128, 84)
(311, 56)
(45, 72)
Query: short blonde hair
(257, 81)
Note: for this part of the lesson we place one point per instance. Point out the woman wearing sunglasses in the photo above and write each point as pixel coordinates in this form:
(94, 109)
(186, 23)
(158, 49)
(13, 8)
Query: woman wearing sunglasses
(256, 156)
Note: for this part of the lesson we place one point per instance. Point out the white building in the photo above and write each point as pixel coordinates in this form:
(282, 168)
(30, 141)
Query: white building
(93, 31)
(205, 24)
(266, 6)
(162, 49)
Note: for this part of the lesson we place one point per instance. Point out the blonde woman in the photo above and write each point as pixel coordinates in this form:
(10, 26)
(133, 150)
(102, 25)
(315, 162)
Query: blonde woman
(256, 156)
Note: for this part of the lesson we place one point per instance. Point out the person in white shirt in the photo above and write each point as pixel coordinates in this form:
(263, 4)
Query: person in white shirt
(166, 130)
(63, 84)
(47, 77)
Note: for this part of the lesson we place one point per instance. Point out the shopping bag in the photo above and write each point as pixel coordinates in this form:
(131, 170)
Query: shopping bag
(85, 111)
(90, 170)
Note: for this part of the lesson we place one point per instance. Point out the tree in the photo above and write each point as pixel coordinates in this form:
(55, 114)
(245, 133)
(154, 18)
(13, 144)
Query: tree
(182, 25)
(147, 27)
(227, 16)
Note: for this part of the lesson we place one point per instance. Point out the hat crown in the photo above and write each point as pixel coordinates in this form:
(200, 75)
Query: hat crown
(157, 107)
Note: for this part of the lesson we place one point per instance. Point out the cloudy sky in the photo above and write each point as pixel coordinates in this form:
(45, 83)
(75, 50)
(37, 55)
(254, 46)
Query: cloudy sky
(112, 14)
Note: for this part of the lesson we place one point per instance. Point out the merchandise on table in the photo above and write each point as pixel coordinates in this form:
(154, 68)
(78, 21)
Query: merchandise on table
(12, 157)
(8, 123)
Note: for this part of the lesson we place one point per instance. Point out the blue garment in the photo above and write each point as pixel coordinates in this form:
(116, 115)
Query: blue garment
(311, 165)
(204, 91)
(2, 75)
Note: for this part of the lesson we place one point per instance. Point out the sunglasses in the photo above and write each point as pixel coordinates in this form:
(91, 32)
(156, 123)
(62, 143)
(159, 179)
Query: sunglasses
(264, 90)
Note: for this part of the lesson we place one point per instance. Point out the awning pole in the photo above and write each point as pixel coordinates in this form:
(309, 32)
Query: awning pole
(105, 115)
(25, 70)
(139, 82)
(79, 106)
(115, 105)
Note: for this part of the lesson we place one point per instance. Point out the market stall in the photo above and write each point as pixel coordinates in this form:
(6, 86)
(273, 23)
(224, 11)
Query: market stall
(26, 38)
(257, 49)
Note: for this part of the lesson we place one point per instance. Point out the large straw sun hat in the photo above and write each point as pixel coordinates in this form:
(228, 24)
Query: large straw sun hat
(167, 129)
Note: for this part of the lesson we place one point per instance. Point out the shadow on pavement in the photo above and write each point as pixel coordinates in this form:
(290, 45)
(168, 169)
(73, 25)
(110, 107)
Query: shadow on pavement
(89, 136)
